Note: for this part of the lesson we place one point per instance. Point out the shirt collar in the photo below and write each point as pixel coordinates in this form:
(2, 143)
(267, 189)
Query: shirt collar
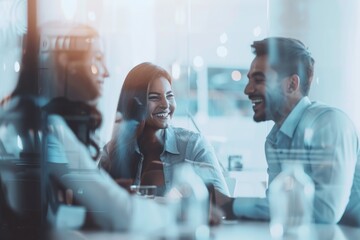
(292, 120)
(170, 142)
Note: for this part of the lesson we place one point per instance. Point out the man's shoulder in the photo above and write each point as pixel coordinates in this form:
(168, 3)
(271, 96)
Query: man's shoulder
(315, 105)
(318, 110)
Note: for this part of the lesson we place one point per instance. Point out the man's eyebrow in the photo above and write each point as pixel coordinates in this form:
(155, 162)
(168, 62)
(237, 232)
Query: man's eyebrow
(256, 74)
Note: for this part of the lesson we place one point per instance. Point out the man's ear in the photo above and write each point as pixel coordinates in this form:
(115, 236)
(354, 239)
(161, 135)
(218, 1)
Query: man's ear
(293, 83)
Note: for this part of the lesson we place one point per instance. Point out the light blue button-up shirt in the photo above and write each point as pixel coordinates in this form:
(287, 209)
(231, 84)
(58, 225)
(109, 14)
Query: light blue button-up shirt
(327, 143)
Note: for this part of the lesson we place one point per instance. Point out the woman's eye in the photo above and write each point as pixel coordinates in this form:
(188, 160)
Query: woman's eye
(153, 98)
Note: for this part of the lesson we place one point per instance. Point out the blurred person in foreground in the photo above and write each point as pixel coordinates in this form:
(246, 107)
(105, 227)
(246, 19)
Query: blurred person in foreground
(145, 147)
(80, 73)
(72, 74)
(72, 71)
(280, 77)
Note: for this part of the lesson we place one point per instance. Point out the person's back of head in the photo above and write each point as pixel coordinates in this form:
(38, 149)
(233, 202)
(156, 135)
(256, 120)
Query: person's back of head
(70, 62)
(287, 56)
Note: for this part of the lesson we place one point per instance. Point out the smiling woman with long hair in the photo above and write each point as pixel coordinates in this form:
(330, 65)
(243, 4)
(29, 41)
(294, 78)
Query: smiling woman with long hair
(145, 147)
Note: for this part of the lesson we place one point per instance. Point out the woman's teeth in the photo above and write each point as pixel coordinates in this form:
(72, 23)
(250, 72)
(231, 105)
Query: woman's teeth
(162, 115)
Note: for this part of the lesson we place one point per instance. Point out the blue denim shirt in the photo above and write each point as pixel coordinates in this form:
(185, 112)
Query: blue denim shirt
(181, 146)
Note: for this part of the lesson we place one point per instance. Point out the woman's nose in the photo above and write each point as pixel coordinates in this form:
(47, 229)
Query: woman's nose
(105, 73)
(164, 103)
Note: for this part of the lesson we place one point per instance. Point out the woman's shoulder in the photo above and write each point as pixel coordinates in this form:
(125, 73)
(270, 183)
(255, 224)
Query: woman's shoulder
(57, 124)
(183, 134)
(182, 131)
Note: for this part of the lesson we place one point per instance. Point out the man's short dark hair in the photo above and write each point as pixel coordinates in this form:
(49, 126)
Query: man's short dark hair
(287, 56)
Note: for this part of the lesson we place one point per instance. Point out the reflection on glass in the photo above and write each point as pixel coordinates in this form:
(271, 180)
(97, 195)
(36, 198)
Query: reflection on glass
(13, 26)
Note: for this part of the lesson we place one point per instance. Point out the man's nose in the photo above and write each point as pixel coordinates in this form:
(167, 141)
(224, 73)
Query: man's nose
(248, 89)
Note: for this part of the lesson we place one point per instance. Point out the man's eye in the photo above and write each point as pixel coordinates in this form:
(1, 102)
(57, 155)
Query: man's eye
(259, 80)
(171, 95)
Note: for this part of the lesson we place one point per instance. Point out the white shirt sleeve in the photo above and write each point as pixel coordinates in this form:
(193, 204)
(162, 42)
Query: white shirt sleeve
(119, 211)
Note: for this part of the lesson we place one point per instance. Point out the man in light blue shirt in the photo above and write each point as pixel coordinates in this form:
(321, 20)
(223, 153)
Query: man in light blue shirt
(323, 137)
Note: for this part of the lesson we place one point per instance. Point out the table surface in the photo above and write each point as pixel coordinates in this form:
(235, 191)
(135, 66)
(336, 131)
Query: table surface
(247, 183)
(228, 230)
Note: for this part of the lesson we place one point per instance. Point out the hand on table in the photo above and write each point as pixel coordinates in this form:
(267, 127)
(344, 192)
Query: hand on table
(225, 203)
